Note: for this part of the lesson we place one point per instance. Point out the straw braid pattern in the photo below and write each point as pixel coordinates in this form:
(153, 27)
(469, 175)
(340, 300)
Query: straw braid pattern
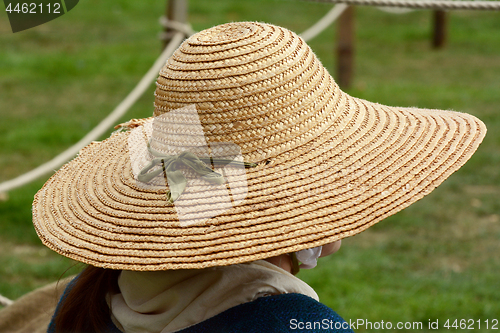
(330, 165)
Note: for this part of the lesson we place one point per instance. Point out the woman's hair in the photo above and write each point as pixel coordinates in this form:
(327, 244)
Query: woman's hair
(84, 307)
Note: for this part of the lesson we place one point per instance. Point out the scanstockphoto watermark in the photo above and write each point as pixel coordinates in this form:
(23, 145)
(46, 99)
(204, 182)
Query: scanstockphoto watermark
(385, 325)
(328, 324)
(449, 324)
(170, 154)
(324, 324)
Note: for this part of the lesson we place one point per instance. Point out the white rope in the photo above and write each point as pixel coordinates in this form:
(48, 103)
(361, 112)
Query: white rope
(425, 4)
(182, 30)
(396, 10)
(324, 22)
(307, 35)
(185, 29)
(177, 26)
(103, 126)
(4, 301)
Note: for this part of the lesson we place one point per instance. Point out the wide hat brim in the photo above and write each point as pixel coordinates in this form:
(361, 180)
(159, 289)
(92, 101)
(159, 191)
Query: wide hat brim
(357, 163)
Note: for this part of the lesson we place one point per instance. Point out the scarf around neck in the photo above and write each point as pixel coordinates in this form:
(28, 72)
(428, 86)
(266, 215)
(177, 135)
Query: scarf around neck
(167, 301)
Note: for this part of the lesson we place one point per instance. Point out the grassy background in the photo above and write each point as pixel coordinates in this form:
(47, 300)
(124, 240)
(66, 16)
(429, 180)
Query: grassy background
(438, 259)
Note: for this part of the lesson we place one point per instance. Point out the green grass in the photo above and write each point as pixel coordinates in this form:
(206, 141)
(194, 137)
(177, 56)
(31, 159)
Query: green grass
(436, 260)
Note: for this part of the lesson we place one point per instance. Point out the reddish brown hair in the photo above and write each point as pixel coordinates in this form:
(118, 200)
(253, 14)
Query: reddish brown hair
(84, 309)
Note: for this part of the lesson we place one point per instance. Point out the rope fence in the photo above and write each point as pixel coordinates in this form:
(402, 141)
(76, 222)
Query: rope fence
(103, 126)
(324, 22)
(182, 30)
(426, 4)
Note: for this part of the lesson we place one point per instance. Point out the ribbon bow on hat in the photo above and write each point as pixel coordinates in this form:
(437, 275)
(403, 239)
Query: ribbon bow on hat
(176, 180)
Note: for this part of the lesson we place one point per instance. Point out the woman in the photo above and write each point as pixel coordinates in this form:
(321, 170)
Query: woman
(195, 219)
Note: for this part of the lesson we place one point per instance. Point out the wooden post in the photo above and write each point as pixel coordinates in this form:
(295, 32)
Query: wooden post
(177, 11)
(345, 48)
(440, 31)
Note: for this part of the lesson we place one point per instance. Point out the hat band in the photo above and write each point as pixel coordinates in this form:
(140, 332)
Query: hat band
(176, 180)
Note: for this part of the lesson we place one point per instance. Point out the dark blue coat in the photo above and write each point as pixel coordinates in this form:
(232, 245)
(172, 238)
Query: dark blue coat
(278, 313)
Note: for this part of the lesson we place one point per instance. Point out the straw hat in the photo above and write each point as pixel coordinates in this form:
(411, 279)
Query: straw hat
(328, 165)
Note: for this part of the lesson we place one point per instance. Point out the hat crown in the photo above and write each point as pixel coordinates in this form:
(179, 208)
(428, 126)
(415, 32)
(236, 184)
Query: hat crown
(224, 34)
(253, 84)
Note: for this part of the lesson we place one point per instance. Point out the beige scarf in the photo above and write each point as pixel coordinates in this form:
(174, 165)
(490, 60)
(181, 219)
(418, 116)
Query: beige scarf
(167, 301)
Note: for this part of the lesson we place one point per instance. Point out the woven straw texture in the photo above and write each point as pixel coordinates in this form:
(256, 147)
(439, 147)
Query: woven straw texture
(329, 165)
